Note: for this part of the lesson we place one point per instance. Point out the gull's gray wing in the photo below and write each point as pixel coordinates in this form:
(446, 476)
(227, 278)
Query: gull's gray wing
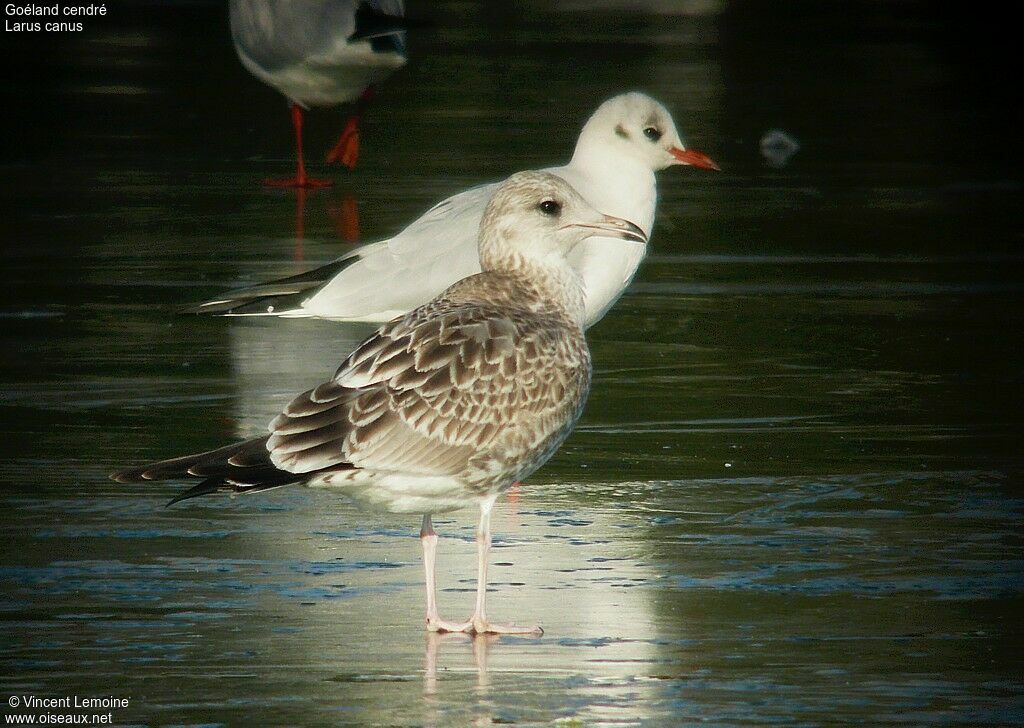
(377, 281)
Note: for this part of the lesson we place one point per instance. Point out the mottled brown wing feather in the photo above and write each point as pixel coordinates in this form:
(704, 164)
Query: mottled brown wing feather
(434, 392)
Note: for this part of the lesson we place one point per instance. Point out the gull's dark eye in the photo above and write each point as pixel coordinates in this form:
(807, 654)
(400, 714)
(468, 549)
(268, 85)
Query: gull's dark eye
(652, 133)
(550, 207)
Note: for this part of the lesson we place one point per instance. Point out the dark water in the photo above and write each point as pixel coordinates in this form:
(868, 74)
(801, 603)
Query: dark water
(795, 496)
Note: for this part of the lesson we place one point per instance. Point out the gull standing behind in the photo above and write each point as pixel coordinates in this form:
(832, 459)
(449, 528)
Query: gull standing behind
(320, 53)
(448, 405)
(624, 142)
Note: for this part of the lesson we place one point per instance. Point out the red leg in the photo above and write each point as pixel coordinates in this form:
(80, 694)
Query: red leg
(350, 220)
(345, 216)
(300, 179)
(346, 150)
(300, 223)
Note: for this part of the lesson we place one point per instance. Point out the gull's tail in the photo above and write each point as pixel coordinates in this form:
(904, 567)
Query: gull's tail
(243, 467)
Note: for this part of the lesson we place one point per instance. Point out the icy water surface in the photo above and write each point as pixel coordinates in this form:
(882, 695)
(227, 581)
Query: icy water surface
(795, 497)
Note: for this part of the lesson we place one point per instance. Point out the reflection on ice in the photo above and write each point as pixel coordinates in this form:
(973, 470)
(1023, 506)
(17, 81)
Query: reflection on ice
(272, 361)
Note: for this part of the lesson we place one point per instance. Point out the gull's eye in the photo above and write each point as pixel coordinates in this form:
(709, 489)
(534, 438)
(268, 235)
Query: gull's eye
(652, 133)
(550, 207)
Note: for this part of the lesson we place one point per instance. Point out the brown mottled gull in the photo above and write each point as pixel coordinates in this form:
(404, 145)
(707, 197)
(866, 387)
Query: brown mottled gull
(450, 404)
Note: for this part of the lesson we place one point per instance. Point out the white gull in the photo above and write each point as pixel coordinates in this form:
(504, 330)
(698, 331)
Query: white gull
(320, 53)
(622, 145)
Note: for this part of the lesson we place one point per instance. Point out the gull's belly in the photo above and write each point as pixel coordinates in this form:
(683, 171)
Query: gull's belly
(402, 493)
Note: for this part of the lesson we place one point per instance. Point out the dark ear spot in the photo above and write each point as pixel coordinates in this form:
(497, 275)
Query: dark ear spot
(621, 131)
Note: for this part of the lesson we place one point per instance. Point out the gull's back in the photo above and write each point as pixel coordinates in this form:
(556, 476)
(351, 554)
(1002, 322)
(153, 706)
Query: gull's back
(386, 279)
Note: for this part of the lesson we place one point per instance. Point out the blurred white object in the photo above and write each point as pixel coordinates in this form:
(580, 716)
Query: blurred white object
(778, 147)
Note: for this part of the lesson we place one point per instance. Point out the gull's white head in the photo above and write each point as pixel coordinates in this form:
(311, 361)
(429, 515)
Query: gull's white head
(537, 216)
(635, 126)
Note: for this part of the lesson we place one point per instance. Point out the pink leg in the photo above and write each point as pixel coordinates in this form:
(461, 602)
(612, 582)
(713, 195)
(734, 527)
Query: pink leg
(300, 179)
(428, 539)
(512, 494)
(478, 622)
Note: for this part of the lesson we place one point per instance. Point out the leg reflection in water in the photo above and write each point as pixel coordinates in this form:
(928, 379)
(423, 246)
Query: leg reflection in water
(481, 645)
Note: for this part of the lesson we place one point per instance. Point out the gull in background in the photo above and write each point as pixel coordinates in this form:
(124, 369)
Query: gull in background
(450, 404)
(622, 145)
(320, 53)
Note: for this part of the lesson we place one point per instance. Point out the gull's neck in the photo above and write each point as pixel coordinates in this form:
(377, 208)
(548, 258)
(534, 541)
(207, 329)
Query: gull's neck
(549, 282)
(552, 283)
(613, 181)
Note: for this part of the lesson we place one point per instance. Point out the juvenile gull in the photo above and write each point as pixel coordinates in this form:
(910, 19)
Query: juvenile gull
(450, 404)
(624, 142)
(320, 53)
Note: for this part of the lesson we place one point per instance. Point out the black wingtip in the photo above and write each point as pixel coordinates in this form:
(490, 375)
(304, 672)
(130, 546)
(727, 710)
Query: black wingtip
(272, 297)
(270, 305)
(373, 23)
(209, 487)
(204, 488)
(240, 306)
(210, 308)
